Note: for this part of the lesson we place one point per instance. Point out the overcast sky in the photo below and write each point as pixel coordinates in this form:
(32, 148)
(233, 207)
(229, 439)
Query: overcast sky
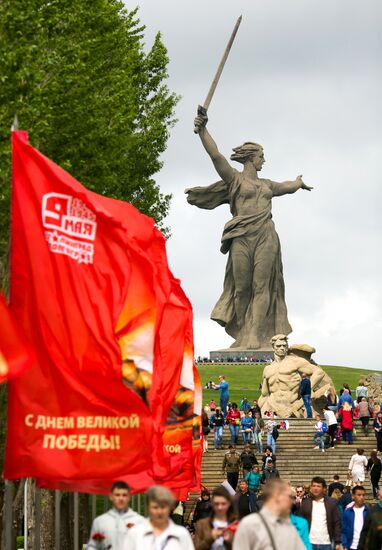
(304, 79)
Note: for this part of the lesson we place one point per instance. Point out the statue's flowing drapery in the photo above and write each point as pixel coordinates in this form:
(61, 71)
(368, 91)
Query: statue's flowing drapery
(255, 237)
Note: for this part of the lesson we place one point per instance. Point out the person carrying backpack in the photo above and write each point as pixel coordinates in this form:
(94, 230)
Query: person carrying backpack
(321, 428)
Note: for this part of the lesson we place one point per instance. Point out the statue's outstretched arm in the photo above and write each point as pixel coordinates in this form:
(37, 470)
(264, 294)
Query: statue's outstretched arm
(289, 187)
(222, 166)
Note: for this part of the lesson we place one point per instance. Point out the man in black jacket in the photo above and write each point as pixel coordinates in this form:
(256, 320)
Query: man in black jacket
(323, 517)
(245, 501)
(270, 472)
(247, 459)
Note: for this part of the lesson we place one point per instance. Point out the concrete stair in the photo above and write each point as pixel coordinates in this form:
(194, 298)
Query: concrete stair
(297, 461)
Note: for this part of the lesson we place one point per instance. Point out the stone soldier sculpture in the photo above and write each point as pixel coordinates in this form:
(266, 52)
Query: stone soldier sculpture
(281, 380)
(252, 307)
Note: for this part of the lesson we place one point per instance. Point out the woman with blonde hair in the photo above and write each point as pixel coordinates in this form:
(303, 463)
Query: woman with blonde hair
(159, 531)
(336, 494)
(345, 417)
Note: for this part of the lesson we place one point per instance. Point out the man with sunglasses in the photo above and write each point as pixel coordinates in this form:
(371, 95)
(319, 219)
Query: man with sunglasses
(300, 496)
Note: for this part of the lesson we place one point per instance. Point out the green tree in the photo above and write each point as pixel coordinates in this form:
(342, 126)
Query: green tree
(77, 75)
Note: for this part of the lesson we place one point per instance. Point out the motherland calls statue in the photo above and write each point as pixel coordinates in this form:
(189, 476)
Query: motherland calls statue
(281, 380)
(252, 307)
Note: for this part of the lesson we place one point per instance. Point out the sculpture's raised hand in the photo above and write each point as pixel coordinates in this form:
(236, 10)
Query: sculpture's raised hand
(201, 120)
(302, 184)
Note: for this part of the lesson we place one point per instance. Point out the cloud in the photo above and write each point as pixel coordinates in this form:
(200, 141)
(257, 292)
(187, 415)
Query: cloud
(304, 79)
(350, 312)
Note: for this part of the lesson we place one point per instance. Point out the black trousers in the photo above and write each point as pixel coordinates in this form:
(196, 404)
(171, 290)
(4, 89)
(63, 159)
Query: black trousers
(331, 431)
(375, 484)
(365, 423)
(233, 478)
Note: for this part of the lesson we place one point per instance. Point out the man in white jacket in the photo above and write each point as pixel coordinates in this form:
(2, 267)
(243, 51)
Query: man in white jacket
(110, 530)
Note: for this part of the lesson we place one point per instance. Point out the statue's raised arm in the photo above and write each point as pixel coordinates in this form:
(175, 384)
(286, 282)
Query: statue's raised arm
(222, 166)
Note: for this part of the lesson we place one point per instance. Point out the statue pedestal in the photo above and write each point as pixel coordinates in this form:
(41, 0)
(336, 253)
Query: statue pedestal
(232, 355)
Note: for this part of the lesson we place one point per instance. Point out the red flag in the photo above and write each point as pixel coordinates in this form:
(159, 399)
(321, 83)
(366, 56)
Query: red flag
(15, 353)
(91, 286)
(179, 429)
(194, 483)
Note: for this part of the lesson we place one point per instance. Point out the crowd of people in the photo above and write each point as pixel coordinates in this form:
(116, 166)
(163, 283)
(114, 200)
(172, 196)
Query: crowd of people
(246, 424)
(276, 518)
(335, 424)
(254, 508)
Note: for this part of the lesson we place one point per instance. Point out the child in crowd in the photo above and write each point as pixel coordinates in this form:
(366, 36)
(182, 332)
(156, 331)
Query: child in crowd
(319, 433)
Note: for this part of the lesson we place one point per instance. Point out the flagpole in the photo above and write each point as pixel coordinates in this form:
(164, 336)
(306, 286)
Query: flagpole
(15, 124)
(14, 128)
(26, 514)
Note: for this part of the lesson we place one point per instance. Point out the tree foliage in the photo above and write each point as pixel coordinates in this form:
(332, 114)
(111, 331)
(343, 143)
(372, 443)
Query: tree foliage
(77, 76)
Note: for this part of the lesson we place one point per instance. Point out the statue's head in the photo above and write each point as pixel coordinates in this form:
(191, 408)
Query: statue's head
(279, 344)
(249, 151)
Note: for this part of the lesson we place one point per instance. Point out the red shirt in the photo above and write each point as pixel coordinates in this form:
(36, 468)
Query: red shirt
(347, 419)
(232, 416)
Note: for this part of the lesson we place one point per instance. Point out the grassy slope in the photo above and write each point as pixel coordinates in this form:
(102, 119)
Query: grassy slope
(244, 379)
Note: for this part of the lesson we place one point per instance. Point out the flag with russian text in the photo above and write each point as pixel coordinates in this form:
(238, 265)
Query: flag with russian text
(91, 288)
